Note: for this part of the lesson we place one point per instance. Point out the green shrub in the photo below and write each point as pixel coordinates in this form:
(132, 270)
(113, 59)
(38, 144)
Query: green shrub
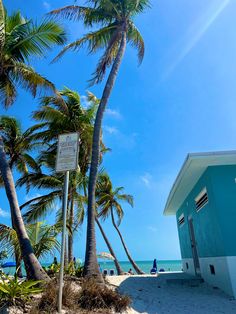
(14, 291)
(52, 269)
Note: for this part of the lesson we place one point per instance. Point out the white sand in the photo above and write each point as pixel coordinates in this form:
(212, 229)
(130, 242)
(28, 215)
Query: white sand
(153, 295)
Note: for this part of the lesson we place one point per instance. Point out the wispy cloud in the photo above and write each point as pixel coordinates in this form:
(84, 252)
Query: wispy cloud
(113, 113)
(4, 213)
(146, 179)
(196, 32)
(46, 5)
(152, 229)
(110, 129)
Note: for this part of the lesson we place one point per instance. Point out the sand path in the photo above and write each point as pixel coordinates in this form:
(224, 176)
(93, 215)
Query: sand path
(153, 295)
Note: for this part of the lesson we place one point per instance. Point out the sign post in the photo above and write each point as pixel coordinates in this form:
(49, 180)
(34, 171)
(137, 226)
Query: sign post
(67, 159)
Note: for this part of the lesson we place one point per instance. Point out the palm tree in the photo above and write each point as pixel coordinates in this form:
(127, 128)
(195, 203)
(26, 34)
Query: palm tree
(109, 246)
(17, 145)
(43, 239)
(114, 20)
(60, 115)
(19, 40)
(108, 200)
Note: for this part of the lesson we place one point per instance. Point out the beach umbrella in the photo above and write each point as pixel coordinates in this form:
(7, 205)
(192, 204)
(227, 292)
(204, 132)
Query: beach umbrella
(8, 264)
(105, 255)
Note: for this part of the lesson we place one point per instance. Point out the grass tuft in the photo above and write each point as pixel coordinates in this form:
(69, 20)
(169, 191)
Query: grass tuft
(96, 297)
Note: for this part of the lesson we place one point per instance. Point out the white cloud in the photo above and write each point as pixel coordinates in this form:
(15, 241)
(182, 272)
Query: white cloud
(47, 5)
(110, 129)
(113, 113)
(3, 213)
(152, 229)
(146, 179)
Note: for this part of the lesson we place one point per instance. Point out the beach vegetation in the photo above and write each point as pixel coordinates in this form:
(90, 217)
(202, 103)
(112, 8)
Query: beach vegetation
(43, 239)
(115, 27)
(14, 291)
(93, 296)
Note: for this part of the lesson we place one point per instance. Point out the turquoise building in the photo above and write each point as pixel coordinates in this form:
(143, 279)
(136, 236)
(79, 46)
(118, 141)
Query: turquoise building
(203, 198)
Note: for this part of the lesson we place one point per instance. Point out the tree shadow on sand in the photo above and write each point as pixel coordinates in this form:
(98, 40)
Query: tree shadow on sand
(159, 295)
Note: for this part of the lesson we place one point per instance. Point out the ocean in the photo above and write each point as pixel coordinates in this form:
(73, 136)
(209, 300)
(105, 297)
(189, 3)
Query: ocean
(167, 265)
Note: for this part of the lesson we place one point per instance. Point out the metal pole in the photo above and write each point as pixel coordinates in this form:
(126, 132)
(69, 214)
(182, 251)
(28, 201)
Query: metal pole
(64, 211)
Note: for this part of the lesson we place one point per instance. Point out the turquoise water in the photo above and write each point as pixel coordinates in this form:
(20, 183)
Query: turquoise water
(167, 265)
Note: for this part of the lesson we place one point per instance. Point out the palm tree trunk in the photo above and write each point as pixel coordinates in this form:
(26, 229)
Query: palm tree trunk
(91, 268)
(70, 236)
(135, 266)
(117, 264)
(17, 255)
(32, 265)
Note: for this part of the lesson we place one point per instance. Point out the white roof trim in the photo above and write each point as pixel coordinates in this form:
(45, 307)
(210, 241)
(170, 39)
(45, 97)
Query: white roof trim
(194, 166)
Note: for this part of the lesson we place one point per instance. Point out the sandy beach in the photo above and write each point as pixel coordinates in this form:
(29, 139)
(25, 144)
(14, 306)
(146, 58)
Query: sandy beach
(155, 295)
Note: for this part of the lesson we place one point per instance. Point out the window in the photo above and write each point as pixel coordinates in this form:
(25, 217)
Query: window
(212, 269)
(201, 200)
(181, 219)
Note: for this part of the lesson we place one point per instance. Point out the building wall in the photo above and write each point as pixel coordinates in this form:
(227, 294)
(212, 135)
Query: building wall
(206, 225)
(224, 190)
(215, 228)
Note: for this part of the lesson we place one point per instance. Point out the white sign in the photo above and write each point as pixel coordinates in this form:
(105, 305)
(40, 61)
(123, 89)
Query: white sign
(67, 152)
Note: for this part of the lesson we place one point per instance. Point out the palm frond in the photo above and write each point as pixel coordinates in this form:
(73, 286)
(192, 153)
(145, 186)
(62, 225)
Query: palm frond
(136, 40)
(94, 40)
(8, 240)
(30, 80)
(35, 39)
(8, 91)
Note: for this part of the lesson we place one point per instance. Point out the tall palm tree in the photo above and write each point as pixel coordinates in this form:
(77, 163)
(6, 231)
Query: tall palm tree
(108, 200)
(115, 27)
(19, 40)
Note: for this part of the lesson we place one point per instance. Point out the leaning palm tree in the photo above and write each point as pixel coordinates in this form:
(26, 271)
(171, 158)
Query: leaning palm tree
(19, 40)
(18, 145)
(107, 241)
(116, 28)
(108, 200)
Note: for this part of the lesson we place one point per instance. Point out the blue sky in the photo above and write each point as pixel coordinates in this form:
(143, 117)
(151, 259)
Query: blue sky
(181, 99)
